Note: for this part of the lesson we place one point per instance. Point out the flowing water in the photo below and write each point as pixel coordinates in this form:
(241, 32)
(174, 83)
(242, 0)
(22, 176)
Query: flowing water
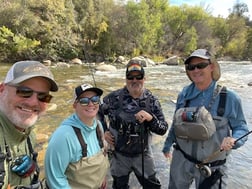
(165, 82)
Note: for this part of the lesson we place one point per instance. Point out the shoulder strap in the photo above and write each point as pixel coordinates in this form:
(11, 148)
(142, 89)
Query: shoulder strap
(2, 171)
(81, 140)
(99, 134)
(83, 143)
(34, 158)
(222, 102)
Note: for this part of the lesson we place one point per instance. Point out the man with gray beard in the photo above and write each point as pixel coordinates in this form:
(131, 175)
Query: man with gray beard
(134, 114)
(24, 96)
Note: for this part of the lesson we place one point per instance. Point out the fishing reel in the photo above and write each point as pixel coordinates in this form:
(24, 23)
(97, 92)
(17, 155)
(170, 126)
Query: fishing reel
(204, 170)
(23, 166)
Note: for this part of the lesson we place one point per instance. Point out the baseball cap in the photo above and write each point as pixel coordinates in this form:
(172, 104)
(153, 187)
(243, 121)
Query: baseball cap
(23, 70)
(205, 54)
(86, 87)
(134, 65)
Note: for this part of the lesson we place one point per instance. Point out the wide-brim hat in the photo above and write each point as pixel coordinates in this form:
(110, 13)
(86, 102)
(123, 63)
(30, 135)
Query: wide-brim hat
(86, 87)
(205, 54)
(24, 70)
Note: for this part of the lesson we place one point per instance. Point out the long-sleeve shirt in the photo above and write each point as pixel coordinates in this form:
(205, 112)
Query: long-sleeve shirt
(233, 111)
(64, 148)
(157, 125)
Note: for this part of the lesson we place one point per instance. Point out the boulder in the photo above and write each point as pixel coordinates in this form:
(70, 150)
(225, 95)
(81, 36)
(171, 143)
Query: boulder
(47, 62)
(145, 62)
(120, 59)
(76, 61)
(63, 64)
(174, 60)
(105, 67)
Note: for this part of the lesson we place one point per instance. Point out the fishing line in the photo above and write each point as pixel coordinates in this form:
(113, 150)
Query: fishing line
(89, 65)
(92, 73)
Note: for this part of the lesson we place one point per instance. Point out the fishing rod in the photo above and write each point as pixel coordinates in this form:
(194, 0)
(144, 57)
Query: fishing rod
(243, 136)
(89, 66)
(216, 153)
(205, 169)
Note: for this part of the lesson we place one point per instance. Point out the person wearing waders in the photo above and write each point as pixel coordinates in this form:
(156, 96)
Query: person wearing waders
(207, 122)
(76, 157)
(133, 114)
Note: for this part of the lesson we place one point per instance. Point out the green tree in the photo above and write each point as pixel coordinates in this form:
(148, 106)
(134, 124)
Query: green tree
(15, 46)
(181, 24)
(248, 49)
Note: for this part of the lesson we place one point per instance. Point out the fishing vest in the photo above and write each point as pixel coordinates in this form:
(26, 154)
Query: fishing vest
(199, 150)
(131, 137)
(88, 172)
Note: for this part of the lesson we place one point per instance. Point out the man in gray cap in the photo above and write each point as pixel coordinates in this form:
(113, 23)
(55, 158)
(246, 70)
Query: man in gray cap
(24, 96)
(200, 133)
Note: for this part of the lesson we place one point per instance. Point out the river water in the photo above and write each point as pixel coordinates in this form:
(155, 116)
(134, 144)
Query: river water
(165, 82)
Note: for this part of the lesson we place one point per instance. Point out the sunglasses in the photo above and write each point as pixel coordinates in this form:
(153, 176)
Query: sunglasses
(191, 67)
(137, 77)
(26, 92)
(85, 100)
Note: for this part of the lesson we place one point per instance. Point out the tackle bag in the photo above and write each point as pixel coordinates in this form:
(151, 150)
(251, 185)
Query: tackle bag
(194, 123)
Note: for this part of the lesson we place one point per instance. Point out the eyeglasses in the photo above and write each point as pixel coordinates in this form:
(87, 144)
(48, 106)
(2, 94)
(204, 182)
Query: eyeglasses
(26, 92)
(191, 67)
(85, 100)
(137, 77)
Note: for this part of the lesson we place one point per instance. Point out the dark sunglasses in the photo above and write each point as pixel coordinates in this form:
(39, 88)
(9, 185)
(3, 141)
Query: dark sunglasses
(26, 92)
(85, 100)
(200, 66)
(137, 77)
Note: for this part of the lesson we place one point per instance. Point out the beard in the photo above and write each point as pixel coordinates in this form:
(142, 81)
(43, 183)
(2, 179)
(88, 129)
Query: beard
(18, 119)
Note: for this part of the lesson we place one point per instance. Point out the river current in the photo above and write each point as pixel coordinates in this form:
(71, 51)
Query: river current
(165, 82)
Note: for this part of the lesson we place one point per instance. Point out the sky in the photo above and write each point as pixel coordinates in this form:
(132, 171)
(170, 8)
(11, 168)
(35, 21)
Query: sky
(216, 7)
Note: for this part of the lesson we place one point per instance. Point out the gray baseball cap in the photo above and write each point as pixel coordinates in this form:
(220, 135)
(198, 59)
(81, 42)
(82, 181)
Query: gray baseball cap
(23, 70)
(205, 54)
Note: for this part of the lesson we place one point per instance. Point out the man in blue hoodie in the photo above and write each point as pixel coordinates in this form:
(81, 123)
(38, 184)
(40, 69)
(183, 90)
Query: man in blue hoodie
(75, 157)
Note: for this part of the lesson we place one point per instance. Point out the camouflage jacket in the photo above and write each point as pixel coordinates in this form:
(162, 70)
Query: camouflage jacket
(120, 100)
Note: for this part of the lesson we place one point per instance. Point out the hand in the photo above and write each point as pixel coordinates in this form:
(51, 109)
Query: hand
(227, 143)
(109, 138)
(142, 116)
(104, 184)
(168, 155)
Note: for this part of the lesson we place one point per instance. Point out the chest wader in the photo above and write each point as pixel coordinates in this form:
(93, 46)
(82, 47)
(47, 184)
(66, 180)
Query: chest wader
(190, 149)
(88, 172)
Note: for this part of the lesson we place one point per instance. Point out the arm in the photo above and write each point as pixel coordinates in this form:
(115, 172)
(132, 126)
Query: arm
(157, 124)
(170, 139)
(57, 159)
(234, 114)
